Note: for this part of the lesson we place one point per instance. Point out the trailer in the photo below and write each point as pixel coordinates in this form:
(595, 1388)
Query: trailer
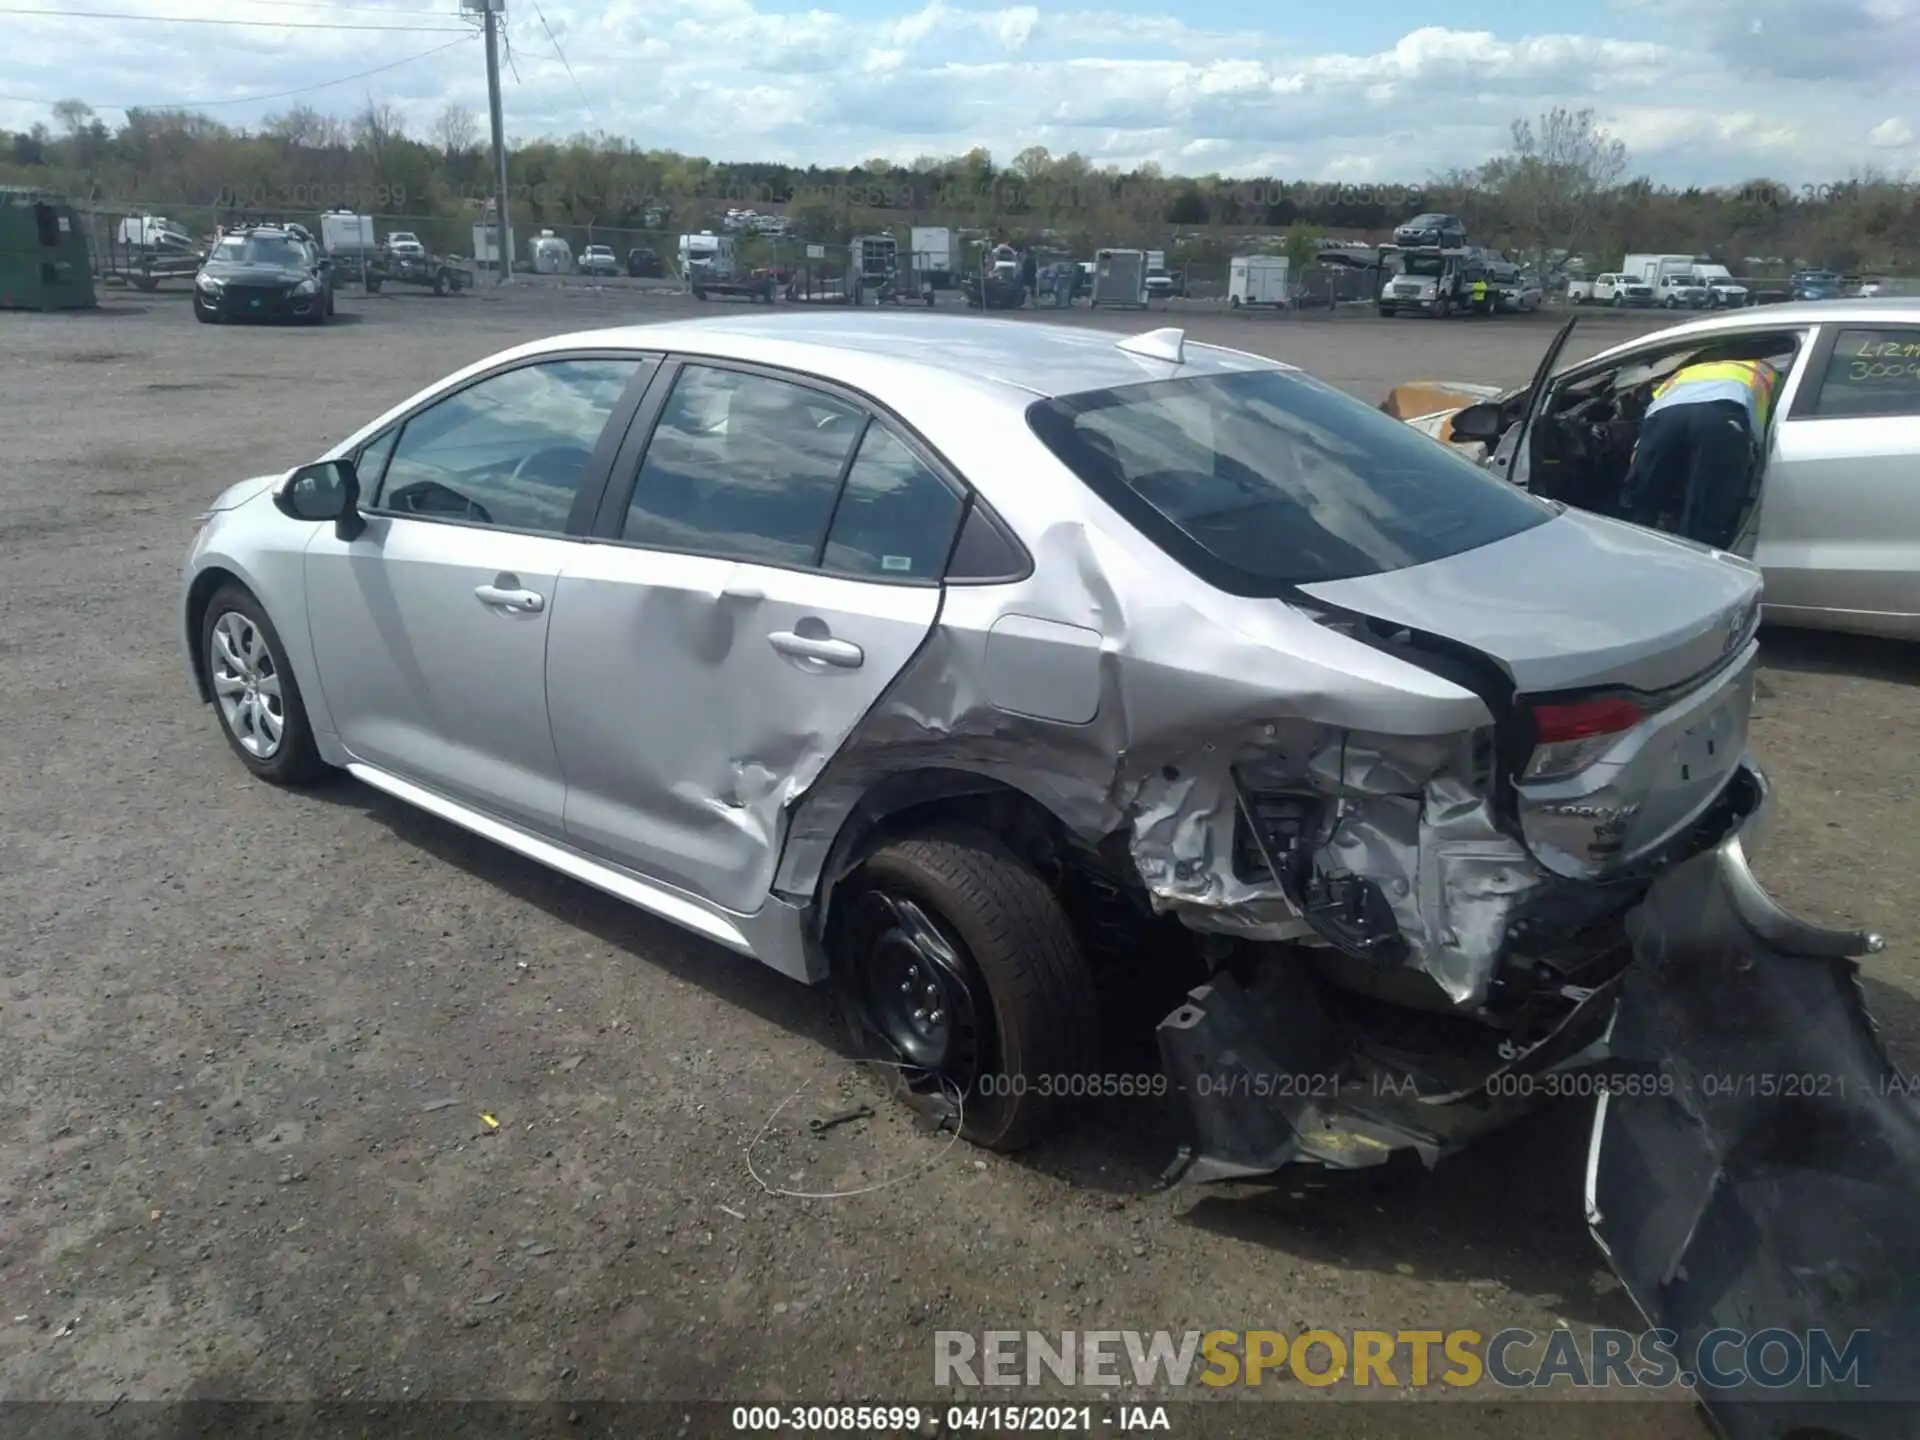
(144, 250)
(1119, 279)
(550, 255)
(873, 258)
(350, 242)
(936, 254)
(758, 286)
(1258, 280)
(486, 244)
(437, 273)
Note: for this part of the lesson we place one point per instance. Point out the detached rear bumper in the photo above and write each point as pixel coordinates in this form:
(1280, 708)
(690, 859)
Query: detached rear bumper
(1770, 1182)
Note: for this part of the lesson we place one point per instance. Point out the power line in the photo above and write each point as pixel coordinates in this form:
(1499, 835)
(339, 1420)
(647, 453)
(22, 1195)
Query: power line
(209, 20)
(554, 40)
(330, 5)
(255, 99)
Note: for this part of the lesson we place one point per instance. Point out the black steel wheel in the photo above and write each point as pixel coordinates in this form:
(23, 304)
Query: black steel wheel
(961, 979)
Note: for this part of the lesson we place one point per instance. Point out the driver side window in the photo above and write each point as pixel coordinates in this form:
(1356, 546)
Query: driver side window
(510, 451)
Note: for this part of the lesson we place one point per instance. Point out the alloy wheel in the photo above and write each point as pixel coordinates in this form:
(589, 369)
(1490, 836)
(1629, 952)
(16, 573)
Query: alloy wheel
(246, 684)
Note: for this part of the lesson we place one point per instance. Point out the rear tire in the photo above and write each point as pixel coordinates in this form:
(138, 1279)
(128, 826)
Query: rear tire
(245, 666)
(439, 282)
(1387, 312)
(956, 963)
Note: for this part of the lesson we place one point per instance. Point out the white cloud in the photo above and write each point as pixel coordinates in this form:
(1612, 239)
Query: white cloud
(733, 81)
(1892, 133)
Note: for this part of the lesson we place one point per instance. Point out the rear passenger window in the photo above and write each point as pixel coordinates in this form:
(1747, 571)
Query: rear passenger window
(742, 466)
(896, 517)
(1871, 372)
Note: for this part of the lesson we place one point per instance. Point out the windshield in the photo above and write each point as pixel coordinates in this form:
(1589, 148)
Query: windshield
(1427, 265)
(1261, 480)
(260, 250)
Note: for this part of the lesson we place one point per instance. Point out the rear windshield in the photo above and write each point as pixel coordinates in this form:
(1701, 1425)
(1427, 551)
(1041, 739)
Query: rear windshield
(1262, 480)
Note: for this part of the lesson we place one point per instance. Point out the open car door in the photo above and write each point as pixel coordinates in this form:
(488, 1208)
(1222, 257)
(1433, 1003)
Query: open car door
(1520, 456)
(1755, 1177)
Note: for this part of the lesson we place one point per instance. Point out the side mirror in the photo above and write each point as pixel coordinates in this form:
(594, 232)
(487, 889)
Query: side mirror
(325, 490)
(1480, 422)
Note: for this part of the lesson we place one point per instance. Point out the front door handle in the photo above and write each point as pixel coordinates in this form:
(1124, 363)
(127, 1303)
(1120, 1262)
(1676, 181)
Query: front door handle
(531, 601)
(841, 654)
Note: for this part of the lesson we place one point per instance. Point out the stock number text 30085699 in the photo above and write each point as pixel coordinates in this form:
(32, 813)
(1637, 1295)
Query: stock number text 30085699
(311, 195)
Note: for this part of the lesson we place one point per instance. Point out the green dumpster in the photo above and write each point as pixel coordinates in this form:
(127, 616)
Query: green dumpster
(44, 264)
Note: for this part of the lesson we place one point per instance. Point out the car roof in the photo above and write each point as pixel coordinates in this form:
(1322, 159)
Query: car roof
(863, 349)
(1750, 320)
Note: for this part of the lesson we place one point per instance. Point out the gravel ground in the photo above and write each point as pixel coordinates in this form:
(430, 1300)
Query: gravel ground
(251, 1035)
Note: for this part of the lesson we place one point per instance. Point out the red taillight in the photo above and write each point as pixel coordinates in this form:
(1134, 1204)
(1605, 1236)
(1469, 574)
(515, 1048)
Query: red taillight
(1557, 724)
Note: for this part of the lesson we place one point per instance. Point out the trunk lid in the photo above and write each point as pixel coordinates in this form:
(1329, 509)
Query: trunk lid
(1627, 661)
(1578, 603)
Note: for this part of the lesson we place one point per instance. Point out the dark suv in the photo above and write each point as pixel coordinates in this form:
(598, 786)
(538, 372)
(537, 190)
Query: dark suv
(1431, 232)
(264, 273)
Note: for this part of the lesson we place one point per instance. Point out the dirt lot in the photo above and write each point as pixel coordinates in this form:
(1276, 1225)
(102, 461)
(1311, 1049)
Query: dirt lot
(251, 1036)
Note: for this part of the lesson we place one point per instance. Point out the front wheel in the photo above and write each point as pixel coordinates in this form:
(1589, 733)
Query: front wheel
(960, 975)
(439, 282)
(1386, 312)
(254, 692)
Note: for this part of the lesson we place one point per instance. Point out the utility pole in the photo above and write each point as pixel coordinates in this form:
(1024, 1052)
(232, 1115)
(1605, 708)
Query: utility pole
(493, 9)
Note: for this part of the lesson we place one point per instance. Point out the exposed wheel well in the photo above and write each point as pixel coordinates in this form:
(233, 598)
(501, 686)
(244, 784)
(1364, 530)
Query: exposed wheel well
(1138, 958)
(913, 803)
(199, 597)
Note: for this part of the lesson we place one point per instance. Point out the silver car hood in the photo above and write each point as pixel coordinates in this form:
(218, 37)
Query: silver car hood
(1547, 604)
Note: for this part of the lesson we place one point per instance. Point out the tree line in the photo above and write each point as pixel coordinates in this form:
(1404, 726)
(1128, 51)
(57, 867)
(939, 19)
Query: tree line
(1561, 185)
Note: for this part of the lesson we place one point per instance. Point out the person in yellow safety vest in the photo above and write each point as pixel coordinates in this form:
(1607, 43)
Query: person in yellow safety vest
(1479, 296)
(1700, 445)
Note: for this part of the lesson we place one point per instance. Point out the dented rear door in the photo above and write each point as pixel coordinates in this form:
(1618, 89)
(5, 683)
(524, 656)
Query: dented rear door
(773, 563)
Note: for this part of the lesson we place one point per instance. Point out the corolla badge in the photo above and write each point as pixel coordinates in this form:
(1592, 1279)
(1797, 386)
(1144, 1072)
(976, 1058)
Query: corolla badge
(1595, 812)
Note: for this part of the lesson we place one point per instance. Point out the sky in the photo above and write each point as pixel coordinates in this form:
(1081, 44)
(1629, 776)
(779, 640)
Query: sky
(1385, 94)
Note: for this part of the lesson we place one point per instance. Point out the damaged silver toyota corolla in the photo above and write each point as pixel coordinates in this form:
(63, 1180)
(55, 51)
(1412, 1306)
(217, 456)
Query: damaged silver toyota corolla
(1016, 676)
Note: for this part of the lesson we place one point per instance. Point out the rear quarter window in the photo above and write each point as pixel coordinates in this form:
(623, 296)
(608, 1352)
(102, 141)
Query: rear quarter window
(1871, 373)
(1260, 481)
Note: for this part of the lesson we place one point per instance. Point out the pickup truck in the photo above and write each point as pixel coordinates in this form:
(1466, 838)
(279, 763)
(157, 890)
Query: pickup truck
(1613, 290)
(404, 266)
(599, 260)
(1680, 290)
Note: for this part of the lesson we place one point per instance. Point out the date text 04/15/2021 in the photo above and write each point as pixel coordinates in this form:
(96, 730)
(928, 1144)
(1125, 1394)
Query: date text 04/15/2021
(960, 1419)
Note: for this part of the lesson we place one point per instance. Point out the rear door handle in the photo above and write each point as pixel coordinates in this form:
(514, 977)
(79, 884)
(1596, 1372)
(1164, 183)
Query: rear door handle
(531, 601)
(841, 654)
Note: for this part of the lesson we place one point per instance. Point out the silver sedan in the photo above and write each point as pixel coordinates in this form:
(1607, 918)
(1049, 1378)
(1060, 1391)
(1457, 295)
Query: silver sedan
(1835, 523)
(1011, 677)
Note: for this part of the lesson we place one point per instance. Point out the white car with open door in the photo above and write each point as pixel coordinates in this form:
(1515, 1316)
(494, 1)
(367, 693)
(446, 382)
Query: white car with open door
(1834, 524)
